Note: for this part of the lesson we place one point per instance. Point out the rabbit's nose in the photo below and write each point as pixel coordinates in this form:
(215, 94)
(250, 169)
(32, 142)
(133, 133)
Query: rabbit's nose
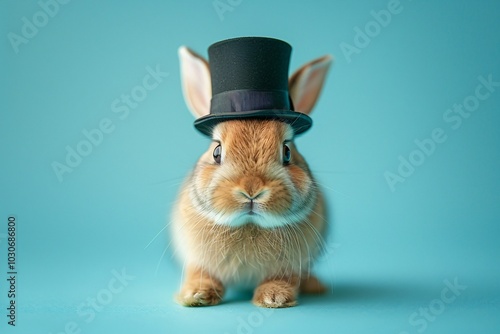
(252, 187)
(253, 197)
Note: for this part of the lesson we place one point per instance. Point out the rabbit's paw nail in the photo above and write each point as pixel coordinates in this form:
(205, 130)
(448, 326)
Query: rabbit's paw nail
(202, 297)
(273, 296)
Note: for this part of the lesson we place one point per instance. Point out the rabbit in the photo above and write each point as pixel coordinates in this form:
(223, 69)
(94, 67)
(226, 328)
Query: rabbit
(251, 166)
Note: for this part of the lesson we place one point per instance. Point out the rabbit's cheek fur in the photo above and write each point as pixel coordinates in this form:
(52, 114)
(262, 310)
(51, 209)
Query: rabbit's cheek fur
(301, 181)
(223, 198)
(280, 198)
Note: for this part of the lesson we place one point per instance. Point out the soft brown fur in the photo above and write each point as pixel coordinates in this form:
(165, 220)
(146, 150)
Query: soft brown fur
(277, 261)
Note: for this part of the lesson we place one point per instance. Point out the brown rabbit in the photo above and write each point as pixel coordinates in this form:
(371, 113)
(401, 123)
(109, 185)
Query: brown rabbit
(250, 214)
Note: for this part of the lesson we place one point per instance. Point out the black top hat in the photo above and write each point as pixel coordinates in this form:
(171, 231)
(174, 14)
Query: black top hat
(250, 80)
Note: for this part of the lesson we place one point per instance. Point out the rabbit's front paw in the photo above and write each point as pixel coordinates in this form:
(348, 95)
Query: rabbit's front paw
(200, 289)
(199, 297)
(275, 294)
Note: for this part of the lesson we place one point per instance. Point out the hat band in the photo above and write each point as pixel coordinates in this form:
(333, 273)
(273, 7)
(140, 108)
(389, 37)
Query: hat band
(250, 100)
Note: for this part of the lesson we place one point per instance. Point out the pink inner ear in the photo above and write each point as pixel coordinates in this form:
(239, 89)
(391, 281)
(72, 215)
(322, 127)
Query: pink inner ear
(307, 82)
(309, 90)
(309, 94)
(196, 82)
(195, 93)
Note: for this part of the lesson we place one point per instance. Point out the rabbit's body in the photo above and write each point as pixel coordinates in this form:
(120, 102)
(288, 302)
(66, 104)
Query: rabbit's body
(250, 213)
(250, 252)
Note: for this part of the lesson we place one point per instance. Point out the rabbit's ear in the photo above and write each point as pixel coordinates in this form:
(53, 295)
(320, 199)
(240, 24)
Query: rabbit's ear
(196, 82)
(306, 83)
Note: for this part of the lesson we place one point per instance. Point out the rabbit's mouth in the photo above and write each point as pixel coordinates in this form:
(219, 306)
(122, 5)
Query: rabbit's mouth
(262, 210)
(250, 212)
(251, 207)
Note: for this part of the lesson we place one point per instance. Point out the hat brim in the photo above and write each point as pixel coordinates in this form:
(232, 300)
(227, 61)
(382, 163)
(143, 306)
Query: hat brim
(300, 122)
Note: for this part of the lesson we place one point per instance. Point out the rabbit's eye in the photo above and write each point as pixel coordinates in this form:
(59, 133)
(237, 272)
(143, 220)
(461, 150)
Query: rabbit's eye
(217, 153)
(287, 154)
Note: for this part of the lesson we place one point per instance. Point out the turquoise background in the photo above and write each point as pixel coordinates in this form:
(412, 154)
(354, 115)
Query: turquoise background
(389, 252)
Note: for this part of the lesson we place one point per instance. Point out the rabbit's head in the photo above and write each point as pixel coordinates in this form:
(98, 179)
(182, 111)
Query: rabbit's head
(252, 171)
